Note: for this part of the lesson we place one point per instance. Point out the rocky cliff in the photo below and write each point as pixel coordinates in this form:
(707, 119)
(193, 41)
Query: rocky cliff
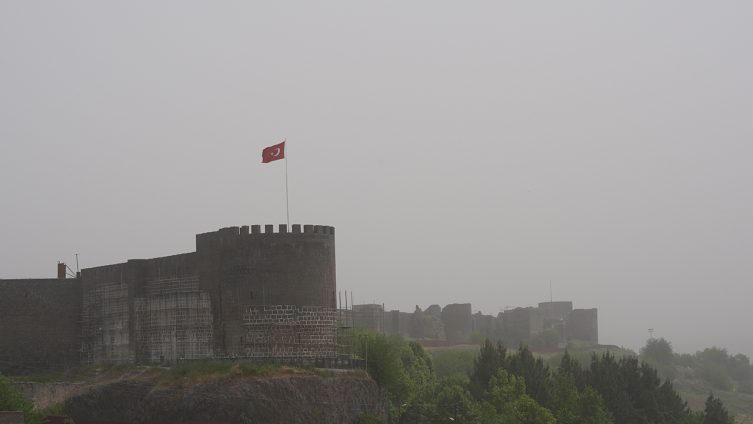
(48, 394)
(296, 399)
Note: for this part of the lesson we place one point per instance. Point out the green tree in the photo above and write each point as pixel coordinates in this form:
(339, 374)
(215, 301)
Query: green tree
(739, 367)
(633, 392)
(571, 407)
(659, 350)
(508, 402)
(592, 409)
(534, 371)
(485, 366)
(420, 381)
(715, 412)
(565, 399)
(448, 400)
(383, 365)
(12, 399)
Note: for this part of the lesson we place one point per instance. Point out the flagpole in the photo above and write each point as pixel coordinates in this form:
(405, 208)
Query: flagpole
(287, 202)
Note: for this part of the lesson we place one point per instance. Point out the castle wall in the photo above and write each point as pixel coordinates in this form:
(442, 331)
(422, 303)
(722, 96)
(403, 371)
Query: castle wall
(243, 270)
(556, 310)
(457, 318)
(484, 323)
(39, 325)
(524, 322)
(583, 324)
(144, 311)
(370, 317)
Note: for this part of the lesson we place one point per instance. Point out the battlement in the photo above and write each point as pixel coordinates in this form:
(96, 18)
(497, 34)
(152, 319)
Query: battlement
(256, 230)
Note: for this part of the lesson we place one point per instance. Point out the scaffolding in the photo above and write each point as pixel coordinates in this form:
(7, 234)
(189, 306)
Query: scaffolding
(104, 324)
(173, 321)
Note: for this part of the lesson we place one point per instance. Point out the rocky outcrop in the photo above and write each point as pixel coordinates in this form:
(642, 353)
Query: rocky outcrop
(309, 399)
(48, 394)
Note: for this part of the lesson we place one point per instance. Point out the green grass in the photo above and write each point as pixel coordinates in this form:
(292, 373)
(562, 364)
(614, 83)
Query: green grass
(42, 377)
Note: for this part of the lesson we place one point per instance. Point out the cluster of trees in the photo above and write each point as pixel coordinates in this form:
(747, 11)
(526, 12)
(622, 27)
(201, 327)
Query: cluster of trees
(713, 365)
(500, 387)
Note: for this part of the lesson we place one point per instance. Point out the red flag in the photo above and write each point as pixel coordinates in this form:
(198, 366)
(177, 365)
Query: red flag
(273, 153)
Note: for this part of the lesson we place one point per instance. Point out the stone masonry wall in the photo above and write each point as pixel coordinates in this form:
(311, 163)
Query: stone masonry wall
(290, 331)
(39, 325)
(243, 267)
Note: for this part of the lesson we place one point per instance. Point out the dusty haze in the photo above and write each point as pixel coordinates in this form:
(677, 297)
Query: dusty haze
(465, 151)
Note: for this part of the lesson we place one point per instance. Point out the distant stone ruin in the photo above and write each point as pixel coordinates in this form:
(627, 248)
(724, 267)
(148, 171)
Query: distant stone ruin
(456, 322)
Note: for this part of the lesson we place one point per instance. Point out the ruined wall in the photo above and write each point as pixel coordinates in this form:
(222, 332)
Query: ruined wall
(583, 324)
(457, 318)
(556, 310)
(371, 317)
(39, 325)
(484, 323)
(524, 322)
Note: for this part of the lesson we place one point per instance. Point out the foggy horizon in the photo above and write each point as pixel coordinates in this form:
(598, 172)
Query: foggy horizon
(465, 153)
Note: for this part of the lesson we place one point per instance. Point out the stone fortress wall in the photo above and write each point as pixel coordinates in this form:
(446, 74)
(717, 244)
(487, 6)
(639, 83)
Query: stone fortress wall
(455, 322)
(242, 293)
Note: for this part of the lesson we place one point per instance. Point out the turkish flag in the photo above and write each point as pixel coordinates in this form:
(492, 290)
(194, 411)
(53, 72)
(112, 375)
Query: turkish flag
(273, 153)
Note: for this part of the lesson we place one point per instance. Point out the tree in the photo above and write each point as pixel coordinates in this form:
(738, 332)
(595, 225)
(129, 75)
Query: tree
(12, 399)
(450, 399)
(715, 412)
(534, 372)
(382, 364)
(659, 350)
(485, 366)
(420, 381)
(508, 403)
(571, 407)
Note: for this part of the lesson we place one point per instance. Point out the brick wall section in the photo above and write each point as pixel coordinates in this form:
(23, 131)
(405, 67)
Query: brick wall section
(39, 325)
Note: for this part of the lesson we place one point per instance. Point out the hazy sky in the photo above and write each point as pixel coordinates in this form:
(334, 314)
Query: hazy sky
(465, 151)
